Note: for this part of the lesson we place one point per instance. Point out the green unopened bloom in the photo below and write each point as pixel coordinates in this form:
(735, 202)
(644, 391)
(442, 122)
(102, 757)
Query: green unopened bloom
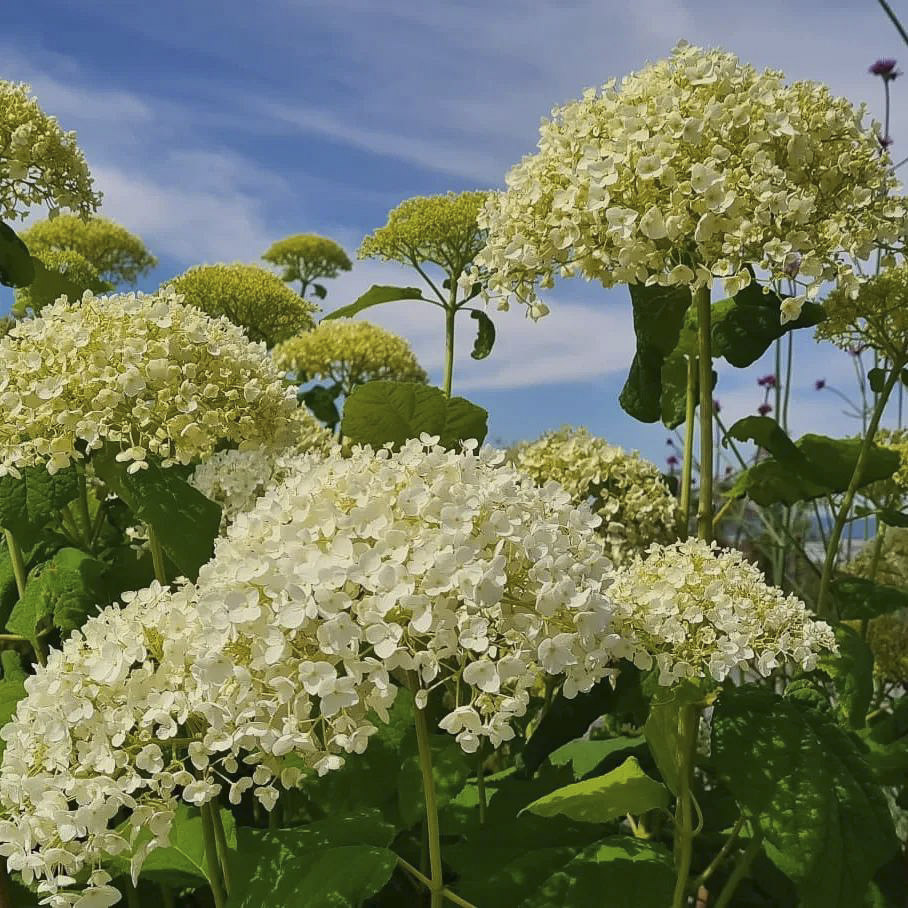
(888, 640)
(308, 257)
(349, 353)
(251, 297)
(77, 270)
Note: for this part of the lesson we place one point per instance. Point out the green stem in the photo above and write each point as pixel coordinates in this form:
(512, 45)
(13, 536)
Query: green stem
(15, 556)
(157, 556)
(422, 878)
(424, 748)
(687, 461)
(832, 550)
(220, 841)
(211, 856)
(450, 314)
(740, 871)
(82, 501)
(481, 782)
(166, 896)
(688, 719)
(705, 366)
(718, 860)
(894, 19)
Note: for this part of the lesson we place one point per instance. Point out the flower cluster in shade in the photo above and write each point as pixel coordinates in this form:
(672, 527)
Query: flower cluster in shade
(142, 372)
(626, 491)
(696, 611)
(887, 637)
(691, 169)
(441, 568)
(250, 296)
(40, 164)
(348, 353)
(876, 315)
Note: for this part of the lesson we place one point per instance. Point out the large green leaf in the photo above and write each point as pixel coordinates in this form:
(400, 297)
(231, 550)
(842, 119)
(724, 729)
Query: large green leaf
(12, 687)
(16, 265)
(627, 789)
(809, 788)
(585, 754)
(620, 872)
(185, 521)
(485, 335)
(379, 412)
(29, 503)
(375, 296)
(859, 598)
(63, 593)
(851, 670)
(334, 863)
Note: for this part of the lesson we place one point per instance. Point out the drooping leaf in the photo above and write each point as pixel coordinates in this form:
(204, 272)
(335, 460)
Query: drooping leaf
(29, 503)
(375, 296)
(322, 402)
(586, 754)
(859, 598)
(379, 412)
(893, 518)
(876, 378)
(320, 291)
(808, 786)
(851, 670)
(627, 789)
(16, 264)
(185, 521)
(485, 335)
(63, 592)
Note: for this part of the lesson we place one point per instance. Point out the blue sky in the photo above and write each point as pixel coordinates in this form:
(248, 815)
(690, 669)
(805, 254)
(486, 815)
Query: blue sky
(215, 128)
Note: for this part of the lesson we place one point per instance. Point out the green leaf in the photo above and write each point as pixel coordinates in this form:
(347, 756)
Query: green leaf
(585, 754)
(824, 819)
(663, 732)
(769, 435)
(185, 521)
(63, 592)
(858, 598)
(485, 336)
(450, 769)
(893, 518)
(620, 872)
(12, 687)
(851, 670)
(322, 402)
(29, 503)
(658, 318)
(375, 296)
(876, 378)
(379, 412)
(48, 285)
(627, 789)
(322, 865)
(673, 381)
(16, 268)
(319, 290)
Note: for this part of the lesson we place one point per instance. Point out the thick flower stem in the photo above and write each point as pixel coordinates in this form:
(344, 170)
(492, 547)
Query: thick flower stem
(687, 462)
(450, 314)
(220, 841)
(740, 871)
(424, 748)
(211, 856)
(688, 720)
(157, 556)
(824, 608)
(705, 364)
(15, 556)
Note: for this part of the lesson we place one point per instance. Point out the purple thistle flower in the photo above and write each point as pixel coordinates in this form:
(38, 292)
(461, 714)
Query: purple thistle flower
(885, 141)
(672, 461)
(716, 407)
(767, 381)
(884, 67)
(819, 384)
(764, 409)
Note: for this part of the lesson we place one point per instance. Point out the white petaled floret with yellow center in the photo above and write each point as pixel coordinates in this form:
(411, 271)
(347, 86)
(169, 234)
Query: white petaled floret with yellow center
(355, 573)
(691, 169)
(142, 372)
(697, 611)
(628, 492)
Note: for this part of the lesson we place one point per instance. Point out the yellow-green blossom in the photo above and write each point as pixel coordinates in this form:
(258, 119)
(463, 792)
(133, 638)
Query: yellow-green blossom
(39, 163)
(688, 170)
(77, 270)
(142, 371)
(251, 297)
(627, 491)
(349, 353)
(888, 639)
(307, 257)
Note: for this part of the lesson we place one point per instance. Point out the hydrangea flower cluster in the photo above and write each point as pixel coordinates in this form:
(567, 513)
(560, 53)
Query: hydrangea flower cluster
(349, 353)
(692, 169)
(628, 492)
(349, 576)
(74, 267)
(698, 611)
(39, 163)
(142, 371)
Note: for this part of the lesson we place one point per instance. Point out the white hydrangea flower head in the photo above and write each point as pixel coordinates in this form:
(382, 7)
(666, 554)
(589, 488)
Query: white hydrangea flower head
(351, 575)
(696, 611)
(689, 170)
(141, 371)
(628, 492)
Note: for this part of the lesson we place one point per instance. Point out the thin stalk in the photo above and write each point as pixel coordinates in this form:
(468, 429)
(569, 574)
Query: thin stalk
(450, 314)
(740, 871)
(894, 19)
(684, 834)
(166, 896)
(720, 857)
(15, 556)
(422, 878)
(687, 462)
(705, 367)
(157, 556)
(481, 783)
(82, 502)
(835, 536)
(220, 841)
(424, 748)
(211, 856)
(96, 526)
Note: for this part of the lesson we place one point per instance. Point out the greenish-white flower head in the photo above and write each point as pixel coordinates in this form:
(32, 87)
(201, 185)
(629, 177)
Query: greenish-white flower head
(696, 611)
(40, 164)
(349, 353)
(626, 491)
(692, 169)
(144, 372)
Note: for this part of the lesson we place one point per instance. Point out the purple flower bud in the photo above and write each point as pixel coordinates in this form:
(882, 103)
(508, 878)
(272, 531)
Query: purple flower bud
(764, 409)
(767, 381)
(885, 141)
(672, 461)
(716, 407)
(670, 441)
(884, 67)
(819, 384)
